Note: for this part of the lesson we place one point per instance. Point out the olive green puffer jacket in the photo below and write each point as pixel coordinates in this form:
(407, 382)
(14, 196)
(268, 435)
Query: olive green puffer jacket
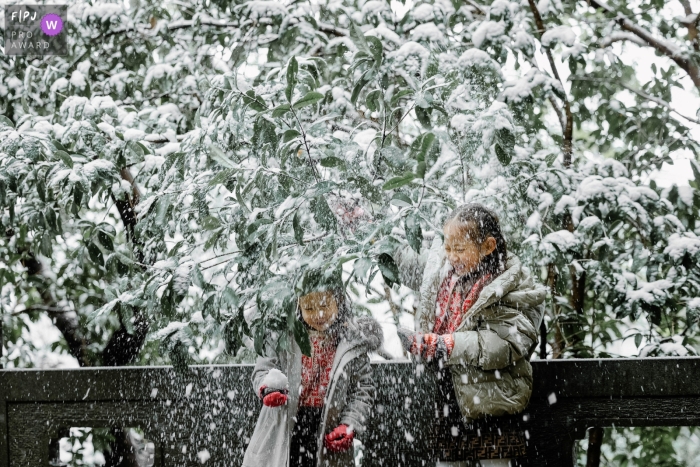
(490, 364)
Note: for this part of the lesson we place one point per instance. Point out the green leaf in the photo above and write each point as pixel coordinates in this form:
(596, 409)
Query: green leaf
(400, 181)
(364, 79)
(401, 200)
(404, 92)
(289, 135)
(219, 156)
(696, 170)
(41, 189)
(280, 110)
(4, 121)
(426, 145)
(504, 157)
(77, 195)
(301, 336)
(298, 230)
(549, 160)
(376, 48)
(637, 340)
(254, 101)
(414, 233)
(95, 254)
(237, 56)
(323, 214)
(309, 99)
(65, 158)
(161, 211)
(506, 138)
(211, 223)
(292, 70)
(420, 170)
(389, 270)
(332, 161)
(373, 100)
(359, 37)
(423, 116)
(105, 240)
(221, 177)
(259, 341)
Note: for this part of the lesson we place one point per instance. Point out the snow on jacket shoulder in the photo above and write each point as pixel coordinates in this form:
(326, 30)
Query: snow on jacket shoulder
(348, 400)
(490, 364)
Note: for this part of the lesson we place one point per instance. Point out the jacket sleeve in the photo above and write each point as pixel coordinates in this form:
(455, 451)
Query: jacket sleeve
(360, 396)
(498, 342)
(263, 365)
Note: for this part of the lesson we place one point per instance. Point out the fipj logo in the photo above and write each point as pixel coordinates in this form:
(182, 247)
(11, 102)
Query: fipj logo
(36, 30)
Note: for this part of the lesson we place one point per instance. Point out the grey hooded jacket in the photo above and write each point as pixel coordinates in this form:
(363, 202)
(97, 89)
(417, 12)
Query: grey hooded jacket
(490, 364)
(348, 399)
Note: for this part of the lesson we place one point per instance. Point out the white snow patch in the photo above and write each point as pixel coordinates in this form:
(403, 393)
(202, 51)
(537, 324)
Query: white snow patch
(203, 456)
(383, 31)
(649, 291)
(167, 149)
(428, 32)
(562, 238)
(488, 31)
(133, 134)
(477, 58)
(423, 12)
(91, 169)
(265, 9)
(157, 72)
(680, 245)
(563, 34)
(275, 379)
(77, 79)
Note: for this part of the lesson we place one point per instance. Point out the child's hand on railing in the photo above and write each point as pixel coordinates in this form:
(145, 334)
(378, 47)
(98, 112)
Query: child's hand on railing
(340, 439)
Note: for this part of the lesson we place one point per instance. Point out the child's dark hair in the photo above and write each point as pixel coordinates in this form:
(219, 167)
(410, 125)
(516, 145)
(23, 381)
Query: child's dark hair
(483, 223)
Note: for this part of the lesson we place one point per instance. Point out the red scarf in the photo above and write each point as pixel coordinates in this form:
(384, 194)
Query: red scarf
(316, 370)
(453, 303)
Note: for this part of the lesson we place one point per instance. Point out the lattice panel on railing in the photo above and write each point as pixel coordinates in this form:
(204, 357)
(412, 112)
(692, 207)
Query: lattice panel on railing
(211, 412)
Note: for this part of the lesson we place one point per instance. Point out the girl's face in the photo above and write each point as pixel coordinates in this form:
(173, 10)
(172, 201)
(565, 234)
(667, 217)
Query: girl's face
(463, 250)
(319, 309)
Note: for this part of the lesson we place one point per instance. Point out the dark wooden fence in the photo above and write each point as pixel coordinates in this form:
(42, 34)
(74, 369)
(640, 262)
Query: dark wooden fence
(213, 408)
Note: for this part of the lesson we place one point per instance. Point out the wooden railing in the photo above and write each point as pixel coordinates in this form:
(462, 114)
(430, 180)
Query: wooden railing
(213, 408)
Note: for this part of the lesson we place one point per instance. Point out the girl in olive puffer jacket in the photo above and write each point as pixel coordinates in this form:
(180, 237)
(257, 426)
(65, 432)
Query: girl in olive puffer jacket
(477, 321)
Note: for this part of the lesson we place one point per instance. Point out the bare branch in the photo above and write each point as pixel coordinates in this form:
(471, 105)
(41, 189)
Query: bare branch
(642, 94)
(567, 123)
(48, 309)
(620, 36)
(332, 30)
(691, 23)
(558, 111)
(662, 45)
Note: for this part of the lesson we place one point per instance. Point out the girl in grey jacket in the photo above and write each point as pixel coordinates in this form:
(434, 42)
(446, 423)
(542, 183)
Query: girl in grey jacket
(477, 321)
(311, 414)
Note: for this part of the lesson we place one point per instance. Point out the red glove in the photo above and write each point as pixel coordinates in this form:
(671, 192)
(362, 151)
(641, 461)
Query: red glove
(273, 397)
(431, 345)
(340, 439)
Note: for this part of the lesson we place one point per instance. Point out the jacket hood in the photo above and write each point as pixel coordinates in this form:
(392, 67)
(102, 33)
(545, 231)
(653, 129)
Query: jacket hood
(366, 331)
